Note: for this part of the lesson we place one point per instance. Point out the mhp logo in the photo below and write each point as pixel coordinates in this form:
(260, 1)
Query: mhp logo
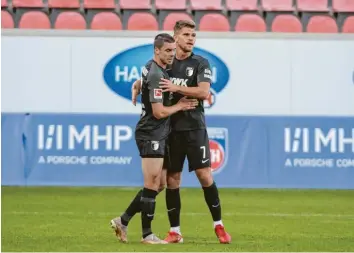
(123, 69)
(218, 144)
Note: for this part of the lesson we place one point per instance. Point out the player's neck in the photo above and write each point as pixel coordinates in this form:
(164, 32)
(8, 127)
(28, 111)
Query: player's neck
(159, 62)
(181, 55)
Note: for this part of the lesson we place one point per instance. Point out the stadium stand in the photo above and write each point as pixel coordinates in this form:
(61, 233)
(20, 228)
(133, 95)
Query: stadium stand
(70, 20)
(241, 5)
(348, 25)
(214, 22)
(135, 4)
(286, 23)
(322, 24)
(34, 20)
(326, 16)
(171, 5)
(250, 23)
(277, 5)
(64, 4)
(142, 21)
(106, 21)
(6, 20)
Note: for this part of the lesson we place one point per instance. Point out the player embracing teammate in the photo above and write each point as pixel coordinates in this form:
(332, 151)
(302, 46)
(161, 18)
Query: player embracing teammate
(189, 75)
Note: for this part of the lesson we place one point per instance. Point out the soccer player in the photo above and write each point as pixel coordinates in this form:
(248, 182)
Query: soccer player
(190, 76)
(151, 133)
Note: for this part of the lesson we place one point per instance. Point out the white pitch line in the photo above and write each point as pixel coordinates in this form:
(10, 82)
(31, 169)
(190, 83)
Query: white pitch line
(345, 216)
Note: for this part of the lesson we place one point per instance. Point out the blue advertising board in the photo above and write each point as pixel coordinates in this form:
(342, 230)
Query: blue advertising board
(246, 151)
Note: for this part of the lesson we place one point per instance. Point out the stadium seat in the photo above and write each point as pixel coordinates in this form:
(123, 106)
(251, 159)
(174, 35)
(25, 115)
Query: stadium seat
(206, 5)
(277, 5)
(62, 4)
(34, 20)
(312, 5)
(135, 4)
(250, 23)
(170, 4)
(3, 3)
(27, 3)
(142, 21)
(322, 24)
(241, 5)
(70, 20)
(286, 23)
(106, 21)
(99, 4)
(348, 25)
(170, 20)
(6, 20)
(214, 22)
(343, 5)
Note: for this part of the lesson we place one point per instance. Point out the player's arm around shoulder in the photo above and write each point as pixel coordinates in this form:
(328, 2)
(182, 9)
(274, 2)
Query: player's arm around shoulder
(203, 80)
(136, 89)
(156, 99)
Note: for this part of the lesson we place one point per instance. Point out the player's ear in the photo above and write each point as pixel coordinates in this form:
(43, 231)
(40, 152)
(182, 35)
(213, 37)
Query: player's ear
(156, 51)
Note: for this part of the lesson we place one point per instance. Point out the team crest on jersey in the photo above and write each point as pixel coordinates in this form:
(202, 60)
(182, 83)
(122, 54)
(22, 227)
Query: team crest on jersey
(155, 145)
(218, 142)
(189, 71)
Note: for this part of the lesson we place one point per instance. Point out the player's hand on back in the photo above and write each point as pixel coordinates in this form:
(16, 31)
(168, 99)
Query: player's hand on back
(167, 86)
(187, 103)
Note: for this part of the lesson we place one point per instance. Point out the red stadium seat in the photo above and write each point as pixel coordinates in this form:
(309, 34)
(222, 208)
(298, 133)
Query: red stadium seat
(214, 22)
(34, 20)
(312, 5)
(241, 5)
(206, 5)
(172, 18)
(286, 23)
(250, 23)
(135, 4)
(170, 4)
(6, 20)
(3, 3)
(322, 24)
(343, 5)
(70, 20)
(106, 21)
(28, 3)
(99, 4)
(142, 21)
(63, 3)
(348, 25)
(277, 5)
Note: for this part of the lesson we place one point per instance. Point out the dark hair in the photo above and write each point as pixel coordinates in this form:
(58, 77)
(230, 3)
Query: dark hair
(161, 38)
(183, 23)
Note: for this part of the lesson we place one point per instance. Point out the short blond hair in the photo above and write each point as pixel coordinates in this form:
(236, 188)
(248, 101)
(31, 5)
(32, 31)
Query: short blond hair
(183, 23)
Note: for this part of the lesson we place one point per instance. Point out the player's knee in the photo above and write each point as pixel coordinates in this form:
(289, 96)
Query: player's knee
(173, 180)
(205, 177)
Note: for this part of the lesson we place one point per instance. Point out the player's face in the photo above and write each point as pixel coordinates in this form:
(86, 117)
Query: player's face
(167, 53)
(185, 39)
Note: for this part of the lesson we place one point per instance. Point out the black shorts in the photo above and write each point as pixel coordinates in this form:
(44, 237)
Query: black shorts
(155, 149)
(194, 144)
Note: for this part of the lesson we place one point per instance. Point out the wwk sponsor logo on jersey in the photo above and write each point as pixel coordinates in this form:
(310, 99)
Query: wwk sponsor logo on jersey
(123, 69)
(218, 142)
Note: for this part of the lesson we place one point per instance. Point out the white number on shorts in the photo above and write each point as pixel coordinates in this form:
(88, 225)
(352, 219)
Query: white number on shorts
(203, 148)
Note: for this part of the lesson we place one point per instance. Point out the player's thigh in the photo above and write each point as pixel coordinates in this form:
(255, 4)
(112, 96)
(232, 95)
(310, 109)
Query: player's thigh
(177, 144)
(198, 150)
(152, 154)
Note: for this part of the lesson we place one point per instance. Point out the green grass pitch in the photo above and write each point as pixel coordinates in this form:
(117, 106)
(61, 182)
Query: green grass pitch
(77, 219)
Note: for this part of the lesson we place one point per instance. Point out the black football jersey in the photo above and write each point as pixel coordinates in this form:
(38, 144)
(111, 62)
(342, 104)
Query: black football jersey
(149, 127)
(189, 72)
